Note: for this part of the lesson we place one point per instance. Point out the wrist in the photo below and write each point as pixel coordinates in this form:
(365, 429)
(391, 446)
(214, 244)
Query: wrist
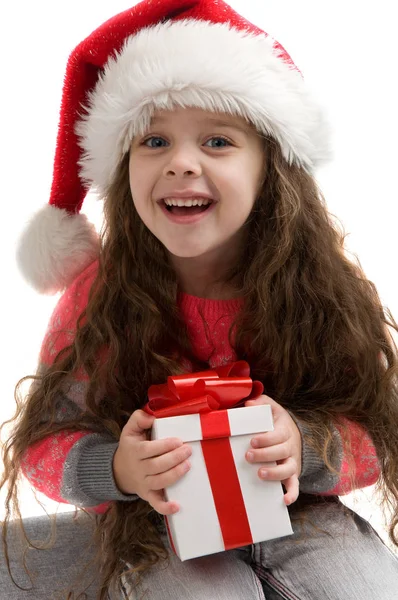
(117, 475)
(298, 443)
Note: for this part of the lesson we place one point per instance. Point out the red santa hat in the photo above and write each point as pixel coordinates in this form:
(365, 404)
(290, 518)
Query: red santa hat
(193, 53)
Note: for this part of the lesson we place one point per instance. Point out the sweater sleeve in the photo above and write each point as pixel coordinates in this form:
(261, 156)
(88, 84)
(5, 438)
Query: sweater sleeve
(352, 455)
(73, 467)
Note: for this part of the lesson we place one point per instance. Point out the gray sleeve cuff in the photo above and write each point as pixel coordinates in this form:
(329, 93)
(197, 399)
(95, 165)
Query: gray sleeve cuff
(88, 474)
(315, 477)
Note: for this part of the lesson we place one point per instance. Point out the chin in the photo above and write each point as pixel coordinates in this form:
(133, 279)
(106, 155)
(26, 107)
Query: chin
(186, 252)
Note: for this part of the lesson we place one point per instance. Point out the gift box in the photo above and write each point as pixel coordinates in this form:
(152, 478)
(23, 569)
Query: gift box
(223, 502)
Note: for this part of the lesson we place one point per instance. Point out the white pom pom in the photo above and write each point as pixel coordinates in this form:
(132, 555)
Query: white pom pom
(55, 248)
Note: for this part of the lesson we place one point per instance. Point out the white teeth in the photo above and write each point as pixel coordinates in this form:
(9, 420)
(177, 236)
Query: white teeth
(187, 201)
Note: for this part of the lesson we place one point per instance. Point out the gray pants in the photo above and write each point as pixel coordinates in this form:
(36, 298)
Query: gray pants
(333, 555)
(346, 563)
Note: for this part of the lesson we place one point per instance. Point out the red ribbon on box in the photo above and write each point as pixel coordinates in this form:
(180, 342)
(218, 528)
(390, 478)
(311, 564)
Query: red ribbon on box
(211, 393)
(204, 391)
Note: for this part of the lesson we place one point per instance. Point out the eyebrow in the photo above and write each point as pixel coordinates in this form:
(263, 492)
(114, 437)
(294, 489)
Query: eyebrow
(212, 121)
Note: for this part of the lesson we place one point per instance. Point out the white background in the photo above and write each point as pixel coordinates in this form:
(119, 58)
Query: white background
(348, 55)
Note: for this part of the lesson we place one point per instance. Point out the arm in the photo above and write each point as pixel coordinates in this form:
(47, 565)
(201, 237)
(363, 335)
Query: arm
(299, 467)
(349, 439)
(72, 467)
(316, 478)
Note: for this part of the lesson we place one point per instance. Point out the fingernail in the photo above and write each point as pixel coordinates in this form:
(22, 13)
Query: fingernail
(187, 465)
(255, 443)
(263, 473)
(250, 456)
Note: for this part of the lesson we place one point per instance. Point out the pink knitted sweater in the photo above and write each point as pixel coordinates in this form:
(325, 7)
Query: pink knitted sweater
(76, 467)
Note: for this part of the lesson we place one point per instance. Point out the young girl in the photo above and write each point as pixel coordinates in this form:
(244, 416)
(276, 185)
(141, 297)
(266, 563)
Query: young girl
(200, 136)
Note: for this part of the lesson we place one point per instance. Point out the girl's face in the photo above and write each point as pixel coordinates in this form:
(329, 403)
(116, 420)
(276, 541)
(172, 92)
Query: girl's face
(187, 149)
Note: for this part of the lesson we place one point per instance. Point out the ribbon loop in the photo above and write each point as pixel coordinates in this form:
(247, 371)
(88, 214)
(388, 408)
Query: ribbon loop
(202, 392)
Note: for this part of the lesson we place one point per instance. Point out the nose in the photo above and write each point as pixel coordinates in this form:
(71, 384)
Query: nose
(181, 163)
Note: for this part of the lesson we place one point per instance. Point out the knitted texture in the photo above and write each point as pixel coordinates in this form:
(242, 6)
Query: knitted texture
(76, 467)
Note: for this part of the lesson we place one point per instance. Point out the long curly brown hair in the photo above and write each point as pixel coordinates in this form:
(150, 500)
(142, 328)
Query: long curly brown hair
(309, 313)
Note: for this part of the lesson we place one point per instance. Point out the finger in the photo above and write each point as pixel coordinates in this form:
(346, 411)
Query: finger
(161, 464)
(271, 454)
(138, 422)
(162, 506)
(263, 399)
(150, 448)
(280, 472)
(292, 490)
(277, 409)
(164, 480)
(270, 438)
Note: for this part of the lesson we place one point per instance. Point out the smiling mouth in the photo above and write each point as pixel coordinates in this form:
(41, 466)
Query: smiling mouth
(181, 211)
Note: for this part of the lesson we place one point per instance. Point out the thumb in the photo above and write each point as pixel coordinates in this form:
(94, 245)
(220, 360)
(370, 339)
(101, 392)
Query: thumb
(138, 423)
(263, 399)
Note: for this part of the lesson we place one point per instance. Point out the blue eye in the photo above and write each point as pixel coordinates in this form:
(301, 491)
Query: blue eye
(220, 138)
(144, 143)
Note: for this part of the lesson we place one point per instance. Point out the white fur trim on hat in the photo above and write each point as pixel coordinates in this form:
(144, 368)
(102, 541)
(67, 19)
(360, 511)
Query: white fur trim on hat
(205, 65)
(55, 248)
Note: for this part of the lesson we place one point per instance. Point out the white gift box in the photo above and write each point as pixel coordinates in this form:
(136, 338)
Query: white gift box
(212, 518)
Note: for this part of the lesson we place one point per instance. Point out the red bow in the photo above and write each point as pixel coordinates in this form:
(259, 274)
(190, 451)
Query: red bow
(203, 392)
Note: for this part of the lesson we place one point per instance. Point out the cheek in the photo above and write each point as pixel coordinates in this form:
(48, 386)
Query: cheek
(139, 186)
(132, 179)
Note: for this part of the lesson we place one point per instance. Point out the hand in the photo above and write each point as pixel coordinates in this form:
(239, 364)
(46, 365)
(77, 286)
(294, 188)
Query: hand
(283, 445)
(145, 467)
